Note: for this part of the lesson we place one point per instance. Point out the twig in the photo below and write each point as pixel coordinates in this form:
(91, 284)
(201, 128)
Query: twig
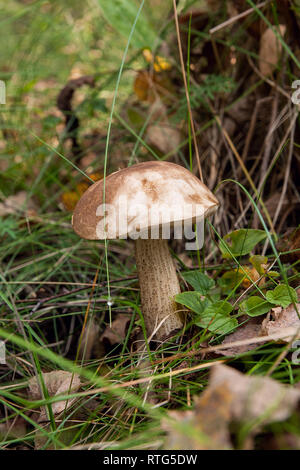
(237, 17)
(186, 90)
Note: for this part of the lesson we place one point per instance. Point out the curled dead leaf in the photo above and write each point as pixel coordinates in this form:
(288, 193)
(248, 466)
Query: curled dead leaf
(270, 50)
(17, 203)
(231, 397)
(57, 382)
(117, 332)
(283, 320)
(165, 138)
(205, 427)
(255, 397)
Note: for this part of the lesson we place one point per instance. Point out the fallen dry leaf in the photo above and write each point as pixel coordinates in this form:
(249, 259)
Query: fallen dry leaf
(205, 427)
(251, 329)
(255, 397)
(160, 133)
(149, 86)
(164, 137)
(57, 382)
(270, 50)
(13, 428)
(117, 332)
(17, 203)
(231, 397)
(283, 320)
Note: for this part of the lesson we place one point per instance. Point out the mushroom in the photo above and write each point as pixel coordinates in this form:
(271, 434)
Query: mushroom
(142, 202)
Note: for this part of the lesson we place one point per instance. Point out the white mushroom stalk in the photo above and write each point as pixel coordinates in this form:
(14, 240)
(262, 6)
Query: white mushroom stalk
(175, 197)
(159, 284)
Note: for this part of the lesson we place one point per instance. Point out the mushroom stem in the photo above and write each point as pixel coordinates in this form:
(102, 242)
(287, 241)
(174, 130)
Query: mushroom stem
(159, 284)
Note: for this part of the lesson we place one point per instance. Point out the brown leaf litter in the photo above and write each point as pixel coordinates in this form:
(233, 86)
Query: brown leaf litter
(284, 323)
(57, 382)
(116, 333)
(231, 397)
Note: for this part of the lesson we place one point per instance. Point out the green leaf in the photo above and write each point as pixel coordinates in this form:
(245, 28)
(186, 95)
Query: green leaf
(255, 306)
(213, 316)
(215, 294)
(282, 295)
(121, 15)
(257, 261)
(242, 242)
(272, 273)
(216, 318)
(199, 281)
(192, 300)
(229, 280)
(220, 307)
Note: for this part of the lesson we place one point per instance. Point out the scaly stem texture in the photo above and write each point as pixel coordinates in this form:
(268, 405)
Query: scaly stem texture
(159, 284)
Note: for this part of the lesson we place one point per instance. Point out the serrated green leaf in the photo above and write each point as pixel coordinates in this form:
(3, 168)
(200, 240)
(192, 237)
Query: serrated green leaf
(255, 306)
(199, 281)
(192, 300)
(282, 295)
(242, 242)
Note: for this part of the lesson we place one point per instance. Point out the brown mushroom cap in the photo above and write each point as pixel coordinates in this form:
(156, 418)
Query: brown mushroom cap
(170, 191)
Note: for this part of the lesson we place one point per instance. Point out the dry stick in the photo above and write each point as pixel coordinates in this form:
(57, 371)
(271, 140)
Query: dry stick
(150, 378)
(235, 175)
(22, 332)
(237, 17)
(246, 173)
(86, 315)
(42, 258)
(267, 80)
(288, 167)
(58, 283)
(286, 176)
(250, 130)
(269, 137)
(186, 90)
(256, 339)
(282, 142)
